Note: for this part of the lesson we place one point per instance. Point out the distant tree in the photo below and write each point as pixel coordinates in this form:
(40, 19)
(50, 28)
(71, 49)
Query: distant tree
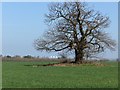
(1, 56)
(38, 56)
(8, 56)
(63, 55)
(118, 59)
(17, 56)
(75, 27)
(28, 56)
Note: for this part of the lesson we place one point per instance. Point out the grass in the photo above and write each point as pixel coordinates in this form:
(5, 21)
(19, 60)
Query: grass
(17, 75)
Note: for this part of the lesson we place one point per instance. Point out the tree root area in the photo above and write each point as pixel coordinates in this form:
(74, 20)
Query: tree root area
(63, 64)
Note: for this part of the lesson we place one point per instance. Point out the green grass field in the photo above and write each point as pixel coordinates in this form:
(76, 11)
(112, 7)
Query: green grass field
(17, 75)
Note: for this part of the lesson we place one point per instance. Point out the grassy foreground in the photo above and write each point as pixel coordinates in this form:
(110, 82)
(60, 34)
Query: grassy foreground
(18, 75)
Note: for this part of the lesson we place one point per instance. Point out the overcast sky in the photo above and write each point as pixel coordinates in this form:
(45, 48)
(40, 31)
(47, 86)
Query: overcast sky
(24, 22)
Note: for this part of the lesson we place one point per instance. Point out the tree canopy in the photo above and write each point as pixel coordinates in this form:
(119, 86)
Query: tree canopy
(73, 26)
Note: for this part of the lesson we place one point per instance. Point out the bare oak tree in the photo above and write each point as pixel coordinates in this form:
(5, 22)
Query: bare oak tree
(75, 27)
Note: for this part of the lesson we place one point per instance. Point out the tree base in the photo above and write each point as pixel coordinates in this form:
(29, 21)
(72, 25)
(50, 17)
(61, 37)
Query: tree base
(73, 63)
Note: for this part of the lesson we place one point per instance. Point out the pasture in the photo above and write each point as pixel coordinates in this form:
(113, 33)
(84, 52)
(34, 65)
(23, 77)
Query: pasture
(20, 74)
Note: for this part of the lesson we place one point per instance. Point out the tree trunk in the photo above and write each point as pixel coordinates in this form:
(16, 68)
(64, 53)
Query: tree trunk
(78, 56)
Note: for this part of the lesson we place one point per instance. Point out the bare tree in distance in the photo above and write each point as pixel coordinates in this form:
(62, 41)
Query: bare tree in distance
(73, 26)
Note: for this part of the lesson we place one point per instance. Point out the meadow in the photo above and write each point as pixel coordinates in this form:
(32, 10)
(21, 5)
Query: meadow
(20, 74)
